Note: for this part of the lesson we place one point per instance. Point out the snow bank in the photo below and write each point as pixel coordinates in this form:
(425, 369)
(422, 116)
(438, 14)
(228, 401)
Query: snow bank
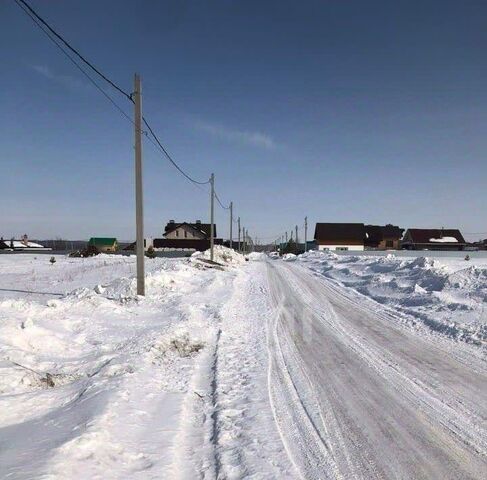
(447, 295)
(256, 256)
(223, 255)
(289, 257)
(86, 376)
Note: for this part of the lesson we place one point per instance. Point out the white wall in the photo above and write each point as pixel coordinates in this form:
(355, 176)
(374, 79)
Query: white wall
(354, 248)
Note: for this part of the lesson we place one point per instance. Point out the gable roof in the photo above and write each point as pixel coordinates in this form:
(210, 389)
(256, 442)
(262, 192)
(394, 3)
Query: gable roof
(424, 235)
(204, 228)
(102, 241)
(340, 232)
(377, 233)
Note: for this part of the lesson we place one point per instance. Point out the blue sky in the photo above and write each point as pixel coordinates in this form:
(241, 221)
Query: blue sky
(341, 110)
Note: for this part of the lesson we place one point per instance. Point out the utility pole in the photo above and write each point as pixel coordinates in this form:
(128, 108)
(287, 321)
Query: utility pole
(231, 224)
(212, 218)
(296, 235)
(139, 203)
(305, 234)
(286, 237)
(239, 231)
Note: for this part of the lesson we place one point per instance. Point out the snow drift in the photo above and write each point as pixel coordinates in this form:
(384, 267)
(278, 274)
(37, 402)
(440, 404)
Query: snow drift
(447, 295)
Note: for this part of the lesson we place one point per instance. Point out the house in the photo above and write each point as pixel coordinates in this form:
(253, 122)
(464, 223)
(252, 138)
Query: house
(340, 236)
(189, 231)
(22, 245)
(186, 236)
(387, 237)
(433, 239)
(104, 244)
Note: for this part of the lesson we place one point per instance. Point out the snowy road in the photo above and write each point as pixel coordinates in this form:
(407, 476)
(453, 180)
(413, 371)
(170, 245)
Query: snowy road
(358, 395)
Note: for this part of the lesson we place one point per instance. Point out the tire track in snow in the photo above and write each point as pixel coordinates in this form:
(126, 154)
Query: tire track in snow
(367, 393)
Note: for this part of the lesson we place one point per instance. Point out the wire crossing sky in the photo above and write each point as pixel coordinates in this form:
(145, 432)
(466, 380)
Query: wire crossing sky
(342, 111)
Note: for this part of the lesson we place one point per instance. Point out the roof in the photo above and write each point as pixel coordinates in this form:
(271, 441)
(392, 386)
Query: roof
(195, 244)
(204, 228)
(340, 232)
(377, 233)
(104, 241)
(434, 235)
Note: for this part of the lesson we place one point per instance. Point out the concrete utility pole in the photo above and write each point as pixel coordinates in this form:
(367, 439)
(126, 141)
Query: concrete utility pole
(139, 203)
(212, 218)
(239, 231)
(305, 234)
(231, 224)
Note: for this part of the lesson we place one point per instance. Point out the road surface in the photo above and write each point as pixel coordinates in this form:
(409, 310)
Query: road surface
(359, 395)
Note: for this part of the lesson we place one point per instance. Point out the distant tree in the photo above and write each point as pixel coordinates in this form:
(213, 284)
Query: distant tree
(150, 253)
(290, 247)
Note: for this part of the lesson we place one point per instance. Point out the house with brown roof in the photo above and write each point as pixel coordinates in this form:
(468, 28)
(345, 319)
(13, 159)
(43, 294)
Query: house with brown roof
(186, 236)
(188, 231)
(383, 237)
(340, 236)
(433, 239)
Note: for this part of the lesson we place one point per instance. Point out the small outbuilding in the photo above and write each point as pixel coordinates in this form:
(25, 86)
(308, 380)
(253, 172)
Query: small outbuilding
(104, 244)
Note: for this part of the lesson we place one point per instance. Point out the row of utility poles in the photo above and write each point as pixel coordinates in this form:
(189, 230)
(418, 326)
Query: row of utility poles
(284, 238)
(243, 246)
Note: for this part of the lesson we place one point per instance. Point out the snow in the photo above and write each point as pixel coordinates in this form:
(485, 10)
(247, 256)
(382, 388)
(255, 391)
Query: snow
(289, 257)
(444, 240)
(256, 256)
(221, 255)
(447, 294)
(96, 382)
(19, 244)
(249, 370)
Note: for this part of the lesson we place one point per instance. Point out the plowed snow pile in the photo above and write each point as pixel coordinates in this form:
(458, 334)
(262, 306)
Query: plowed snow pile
(221, 254)
(448, 295)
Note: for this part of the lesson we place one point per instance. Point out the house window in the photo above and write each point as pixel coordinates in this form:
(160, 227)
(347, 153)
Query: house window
(342, 249)
(185, 234)
(177, 233)
(389, 243)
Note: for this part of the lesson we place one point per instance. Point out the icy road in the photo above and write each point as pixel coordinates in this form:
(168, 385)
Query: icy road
(358, 395)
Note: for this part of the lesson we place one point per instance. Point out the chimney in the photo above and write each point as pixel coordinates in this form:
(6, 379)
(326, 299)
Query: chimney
(171, 221)
(198, 222)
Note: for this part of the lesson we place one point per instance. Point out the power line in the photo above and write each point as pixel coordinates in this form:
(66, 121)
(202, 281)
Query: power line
(38, 17)
(221, 204)
(73, 61)
(40, 22)
(146, 123)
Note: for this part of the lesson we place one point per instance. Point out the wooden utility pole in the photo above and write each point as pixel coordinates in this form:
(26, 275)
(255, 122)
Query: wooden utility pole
(286, 237)
(296, 236)
(212, 218)
(305, 234)
(139, 200)
(231, 224)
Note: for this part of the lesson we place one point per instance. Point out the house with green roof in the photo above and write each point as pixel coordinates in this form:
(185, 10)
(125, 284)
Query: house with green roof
(104, 244)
